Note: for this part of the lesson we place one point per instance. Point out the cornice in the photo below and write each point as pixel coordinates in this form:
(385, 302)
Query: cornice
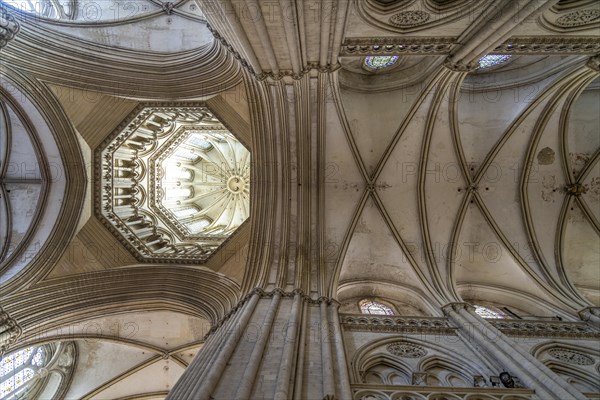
(463, 393)
(549, 45)
(544, 329)
(383, 323)
(372, 46)
(442, 326)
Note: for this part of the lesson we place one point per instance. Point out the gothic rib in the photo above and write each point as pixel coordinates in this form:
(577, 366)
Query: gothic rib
(565, 87)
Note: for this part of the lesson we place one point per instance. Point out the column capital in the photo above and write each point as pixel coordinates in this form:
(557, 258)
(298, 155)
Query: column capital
(594, 63)
(9, 27)
(9, 331)
(456, 307)
(460, 66)
(589, 313)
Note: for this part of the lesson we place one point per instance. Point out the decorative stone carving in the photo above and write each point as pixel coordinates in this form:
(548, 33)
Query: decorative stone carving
(575, 189)
(9, 331)
(460, 66)
(549, 45)
(67, 357)
(407, 19)
(419, 378)
(406, 350)
(9, 27)
(506, 380)
(439, 393)
(396, 324)
(479, 381)
(531, 328)
(578, 18)
(443, 45)
(174, 183)
(594, 63)
(168, 7)
(571, 357)
(397, 45)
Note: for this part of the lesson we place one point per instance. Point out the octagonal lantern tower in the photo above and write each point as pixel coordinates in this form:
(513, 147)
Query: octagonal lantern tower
(174, 184)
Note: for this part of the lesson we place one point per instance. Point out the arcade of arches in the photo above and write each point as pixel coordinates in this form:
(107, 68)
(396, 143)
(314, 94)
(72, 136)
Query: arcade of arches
(300, 199)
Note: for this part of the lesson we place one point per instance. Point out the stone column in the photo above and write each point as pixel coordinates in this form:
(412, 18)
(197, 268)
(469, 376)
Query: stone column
(9, 331)
(509, 355)
(273, 345)
(591, 315)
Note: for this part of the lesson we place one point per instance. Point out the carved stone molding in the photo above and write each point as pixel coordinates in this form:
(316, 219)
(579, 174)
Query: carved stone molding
(549, 45)
(575, 189)
(589, 311)
(9, 331)
(408, 19)
(396, 324)
(444, 45)
(388, 392)
(9, 27)
(571, 356)
(420, 378)
(529, 328)
(456, 307)
(578, 18)
(594, 63)
(230, 48)
(397, 45)
(460, 66)
(406, 350)
(183, 150)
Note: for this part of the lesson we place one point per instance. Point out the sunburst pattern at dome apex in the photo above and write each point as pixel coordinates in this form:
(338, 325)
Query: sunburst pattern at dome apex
(175, 184)
(204, 187)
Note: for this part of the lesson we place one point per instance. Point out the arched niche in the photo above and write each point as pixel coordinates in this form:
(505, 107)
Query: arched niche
(404, 356)
(523, 305)
(577, 364)
(403, 301)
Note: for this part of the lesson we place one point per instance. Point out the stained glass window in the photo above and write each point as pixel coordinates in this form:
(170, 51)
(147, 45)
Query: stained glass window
(373, 307)
(491, 60)
(186, 154)
(185, 212)
(200, 141)
(18, 369)
(198, 226)
(380, 62)
(489, 312)
(174, 172)
(177, 193)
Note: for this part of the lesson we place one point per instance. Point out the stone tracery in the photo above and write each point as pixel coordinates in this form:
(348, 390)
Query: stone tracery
(175, 183)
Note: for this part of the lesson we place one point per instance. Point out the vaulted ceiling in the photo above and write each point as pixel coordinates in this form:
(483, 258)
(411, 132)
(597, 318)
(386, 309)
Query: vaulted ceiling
(427, 182)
